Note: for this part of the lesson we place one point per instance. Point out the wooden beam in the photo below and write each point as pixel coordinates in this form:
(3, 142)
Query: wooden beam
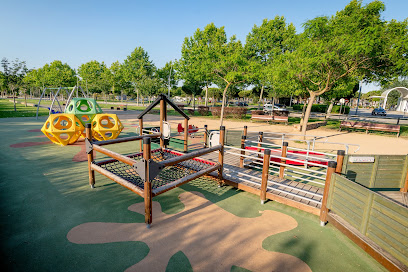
(115, 155)
(90, 156)
(178, 159)
(205, 136)
(241, 158)
(265, 174)
(284, 154)
(162, 119)
(127, 139)
(340, 159)
(147, 184)
(185, 135)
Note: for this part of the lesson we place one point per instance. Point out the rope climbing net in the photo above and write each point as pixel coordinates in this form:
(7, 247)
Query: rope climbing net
(166, 176)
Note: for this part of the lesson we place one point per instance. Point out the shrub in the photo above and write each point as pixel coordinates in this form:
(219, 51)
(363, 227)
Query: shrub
(336, 109)
(215, 111)
(203, 110)
(257, 112)
(236, 112)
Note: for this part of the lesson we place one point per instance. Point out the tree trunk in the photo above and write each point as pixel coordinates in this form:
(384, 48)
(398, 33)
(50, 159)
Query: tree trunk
(223, 103)
(260, 97)
(14, 101)
(25, 99)
(137, 94)
(329, 110)
(307, 113)
(206, 95)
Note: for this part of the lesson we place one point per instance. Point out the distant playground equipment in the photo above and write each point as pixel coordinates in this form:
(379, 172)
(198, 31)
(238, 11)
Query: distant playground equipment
(56, 106)
(66, 128)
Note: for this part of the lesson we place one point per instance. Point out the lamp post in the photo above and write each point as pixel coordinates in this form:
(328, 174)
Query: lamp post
(358, 99)
(171, 68)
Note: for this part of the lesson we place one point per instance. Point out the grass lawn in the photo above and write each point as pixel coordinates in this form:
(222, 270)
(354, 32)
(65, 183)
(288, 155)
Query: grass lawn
(7, 110)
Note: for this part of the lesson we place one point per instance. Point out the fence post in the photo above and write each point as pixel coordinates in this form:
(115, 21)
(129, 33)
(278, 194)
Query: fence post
(141, 133)
(147, 184)
(284, 154)
(331, 167)
(162, 119)
(246, 131)
(205, 136)
(241, 158)
(221, 156)
(185, 135)
(265, 174)
(404, 188)
(88, 131)
(260, 138)
(340, 159)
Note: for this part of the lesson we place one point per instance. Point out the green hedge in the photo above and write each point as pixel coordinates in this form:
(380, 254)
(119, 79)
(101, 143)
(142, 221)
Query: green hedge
(323, 108)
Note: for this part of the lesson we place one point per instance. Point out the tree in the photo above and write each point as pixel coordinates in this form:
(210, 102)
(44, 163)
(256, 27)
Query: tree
(166, 73)
(354, 44)
(192, 88)
(197, 56)
(58, 74)
(136, 67)
(263, 45)
(92, 72)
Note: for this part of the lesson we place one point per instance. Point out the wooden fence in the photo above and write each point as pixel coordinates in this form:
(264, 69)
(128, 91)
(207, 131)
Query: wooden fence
(383, 221)
(387, 171)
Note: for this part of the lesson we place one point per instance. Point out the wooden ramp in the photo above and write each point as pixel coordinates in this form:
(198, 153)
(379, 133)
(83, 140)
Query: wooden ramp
(299, 195)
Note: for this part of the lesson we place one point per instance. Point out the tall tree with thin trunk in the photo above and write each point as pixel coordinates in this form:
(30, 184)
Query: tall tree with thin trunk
(263, 44)
(356, 43)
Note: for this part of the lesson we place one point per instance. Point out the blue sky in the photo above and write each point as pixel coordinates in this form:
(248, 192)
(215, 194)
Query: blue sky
(76, 32)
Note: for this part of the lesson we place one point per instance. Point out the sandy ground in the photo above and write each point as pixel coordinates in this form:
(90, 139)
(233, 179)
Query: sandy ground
(359, 142)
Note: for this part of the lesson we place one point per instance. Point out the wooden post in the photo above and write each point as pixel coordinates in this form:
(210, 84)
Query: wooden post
(141, 132)
(162, 119)
(284, 154)
(404, 188)
(331, 167)
(205, 136)
(260, 137)
(185, 135)
(265, 174)
(88, 130)
(241, 159)
(340, 159)
(221, 155)
(246, 131)
(147, 184)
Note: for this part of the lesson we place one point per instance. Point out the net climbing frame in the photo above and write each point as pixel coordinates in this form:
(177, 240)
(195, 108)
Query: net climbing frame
(151, 172)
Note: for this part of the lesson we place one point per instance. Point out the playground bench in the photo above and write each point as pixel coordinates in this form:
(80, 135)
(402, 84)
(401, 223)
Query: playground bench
(370, 126)
(270, 118)
(124, 107)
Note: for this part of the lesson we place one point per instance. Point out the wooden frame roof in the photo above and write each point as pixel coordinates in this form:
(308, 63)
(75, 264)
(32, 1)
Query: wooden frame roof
(157, 101)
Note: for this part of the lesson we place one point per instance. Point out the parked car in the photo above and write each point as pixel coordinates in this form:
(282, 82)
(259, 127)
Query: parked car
(276, 107)
(241, 104)
(379, 111)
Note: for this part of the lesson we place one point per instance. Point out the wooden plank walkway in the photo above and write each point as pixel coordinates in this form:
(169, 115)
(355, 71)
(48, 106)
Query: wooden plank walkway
(396, 196)
(249, 179)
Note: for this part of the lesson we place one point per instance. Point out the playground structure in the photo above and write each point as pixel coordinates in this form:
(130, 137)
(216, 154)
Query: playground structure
(330, 186)
(66, 128)
(56, 106)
